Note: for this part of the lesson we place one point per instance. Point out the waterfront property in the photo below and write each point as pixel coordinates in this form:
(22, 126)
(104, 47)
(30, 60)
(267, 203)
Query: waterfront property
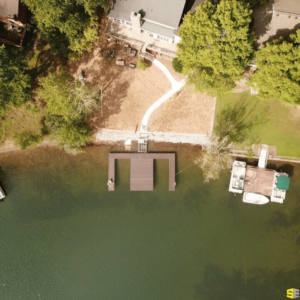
(141, 170)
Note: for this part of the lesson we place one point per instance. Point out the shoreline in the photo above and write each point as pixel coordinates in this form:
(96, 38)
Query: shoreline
(119, 145)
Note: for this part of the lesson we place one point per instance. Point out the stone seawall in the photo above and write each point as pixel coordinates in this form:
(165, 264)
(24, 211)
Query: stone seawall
(107, 135)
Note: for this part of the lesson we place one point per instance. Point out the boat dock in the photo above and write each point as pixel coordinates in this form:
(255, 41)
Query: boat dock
(141, 170)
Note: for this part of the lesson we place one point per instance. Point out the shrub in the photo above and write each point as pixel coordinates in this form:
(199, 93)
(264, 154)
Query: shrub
(27, 139)
(177, 65)
(142, 65)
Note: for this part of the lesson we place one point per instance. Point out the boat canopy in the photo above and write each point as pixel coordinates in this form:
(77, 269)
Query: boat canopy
(283, 183)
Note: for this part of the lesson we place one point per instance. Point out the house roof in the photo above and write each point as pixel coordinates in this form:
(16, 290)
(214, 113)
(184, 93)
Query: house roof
(165, 12)
(259, 180)
(9, 7)
(158, 29)
(287, 6)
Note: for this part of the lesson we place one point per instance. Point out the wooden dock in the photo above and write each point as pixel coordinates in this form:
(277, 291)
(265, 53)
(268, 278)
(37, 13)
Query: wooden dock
(141, 170)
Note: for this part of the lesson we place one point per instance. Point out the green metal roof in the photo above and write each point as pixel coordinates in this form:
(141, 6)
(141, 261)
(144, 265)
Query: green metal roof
(283, 183)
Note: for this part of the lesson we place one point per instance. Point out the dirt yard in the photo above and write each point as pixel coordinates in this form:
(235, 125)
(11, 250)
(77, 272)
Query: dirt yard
(168, 64)
(127, 94)
(186, 112)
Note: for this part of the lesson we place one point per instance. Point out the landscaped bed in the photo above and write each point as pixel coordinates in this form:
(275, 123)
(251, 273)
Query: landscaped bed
(273, 122)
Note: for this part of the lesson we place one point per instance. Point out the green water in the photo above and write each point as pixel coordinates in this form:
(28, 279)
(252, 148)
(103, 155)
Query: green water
(63, 236)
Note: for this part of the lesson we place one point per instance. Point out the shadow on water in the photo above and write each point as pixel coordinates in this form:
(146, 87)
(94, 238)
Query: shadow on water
(260, 285)
(286, 168)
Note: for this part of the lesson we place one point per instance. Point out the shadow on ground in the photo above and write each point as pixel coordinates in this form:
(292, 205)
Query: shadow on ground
(236, 121)
(262, 16)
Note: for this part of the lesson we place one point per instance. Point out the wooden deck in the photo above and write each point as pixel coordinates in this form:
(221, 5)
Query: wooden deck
(141, 170)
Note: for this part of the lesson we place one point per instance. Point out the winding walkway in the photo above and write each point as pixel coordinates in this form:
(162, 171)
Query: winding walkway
(176, 86)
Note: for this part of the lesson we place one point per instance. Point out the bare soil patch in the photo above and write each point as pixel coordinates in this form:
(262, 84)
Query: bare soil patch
(168, 64)
(186, 112)
(127, 93)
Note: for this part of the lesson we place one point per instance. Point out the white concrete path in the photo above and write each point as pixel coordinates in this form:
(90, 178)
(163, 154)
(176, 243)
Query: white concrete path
(176, 86)
(165, 70)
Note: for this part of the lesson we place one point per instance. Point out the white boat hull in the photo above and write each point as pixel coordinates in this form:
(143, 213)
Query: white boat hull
(237, 178)
(2, 195)
(255, 198)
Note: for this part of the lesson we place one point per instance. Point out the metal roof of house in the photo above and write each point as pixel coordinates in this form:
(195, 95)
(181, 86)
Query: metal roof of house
(259, 180)
(9, 7)
(287, 6)
(158, 29)
(196, 4)
(165, 12)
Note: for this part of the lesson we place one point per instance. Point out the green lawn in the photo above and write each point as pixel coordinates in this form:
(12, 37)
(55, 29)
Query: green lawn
(270, 122)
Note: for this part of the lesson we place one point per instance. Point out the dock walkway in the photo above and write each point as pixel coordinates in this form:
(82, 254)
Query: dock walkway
(141, 170)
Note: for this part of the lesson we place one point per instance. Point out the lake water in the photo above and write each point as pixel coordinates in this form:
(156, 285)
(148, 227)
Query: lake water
(63, 236)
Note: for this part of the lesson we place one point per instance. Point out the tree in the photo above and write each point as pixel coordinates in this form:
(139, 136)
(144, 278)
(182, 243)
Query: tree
(68, 105)
(216, 43)
(177, 65)
(14, 82)
(278, 74)
(67, 23)
(142, 65)
(215, 157)
(253, 3)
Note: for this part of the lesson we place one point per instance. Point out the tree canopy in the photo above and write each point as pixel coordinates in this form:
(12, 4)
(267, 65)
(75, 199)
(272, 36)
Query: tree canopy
(253, 3)
(217, 44)
(215, 157)
(14, 82)
(68, 105)
(278, 74)
(67, 24)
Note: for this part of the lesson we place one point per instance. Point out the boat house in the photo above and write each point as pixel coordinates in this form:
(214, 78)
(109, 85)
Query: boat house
(257, 183)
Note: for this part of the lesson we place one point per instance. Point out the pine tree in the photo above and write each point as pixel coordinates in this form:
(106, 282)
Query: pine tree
(278, 74)
(217, 44)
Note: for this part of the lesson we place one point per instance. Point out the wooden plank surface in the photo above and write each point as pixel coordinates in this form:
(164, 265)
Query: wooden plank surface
(140, 166)
(141, 174)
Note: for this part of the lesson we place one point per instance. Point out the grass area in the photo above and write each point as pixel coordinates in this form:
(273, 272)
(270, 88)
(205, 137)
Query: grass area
(268, 122)
(20, 124)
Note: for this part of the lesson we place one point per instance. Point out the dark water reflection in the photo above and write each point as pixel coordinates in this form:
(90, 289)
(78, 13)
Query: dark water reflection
(63, 236)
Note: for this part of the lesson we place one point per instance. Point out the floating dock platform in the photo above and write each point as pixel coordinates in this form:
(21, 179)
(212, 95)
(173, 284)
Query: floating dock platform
(141, 170)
